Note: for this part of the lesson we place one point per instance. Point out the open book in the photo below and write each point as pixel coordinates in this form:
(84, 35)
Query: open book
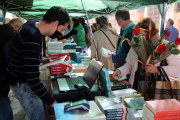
(105, 52)
(56, 61)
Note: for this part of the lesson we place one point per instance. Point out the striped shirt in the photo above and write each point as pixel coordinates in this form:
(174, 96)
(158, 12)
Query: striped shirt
(24, 58)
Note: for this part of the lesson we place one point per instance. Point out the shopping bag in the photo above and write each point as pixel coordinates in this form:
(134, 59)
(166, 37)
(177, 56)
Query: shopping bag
(166, 89)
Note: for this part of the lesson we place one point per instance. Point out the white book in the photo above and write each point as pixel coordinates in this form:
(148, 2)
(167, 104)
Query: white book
(56, 61)
(105, 52)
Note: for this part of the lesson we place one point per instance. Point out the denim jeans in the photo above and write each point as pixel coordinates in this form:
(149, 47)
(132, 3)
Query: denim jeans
(83, 49)
(5, 109)
(29, 101)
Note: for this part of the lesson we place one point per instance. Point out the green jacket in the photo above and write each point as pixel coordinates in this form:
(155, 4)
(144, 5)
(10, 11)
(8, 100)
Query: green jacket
(80, 36)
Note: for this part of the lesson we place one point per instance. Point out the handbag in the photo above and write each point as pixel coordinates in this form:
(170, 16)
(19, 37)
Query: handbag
(160, 88)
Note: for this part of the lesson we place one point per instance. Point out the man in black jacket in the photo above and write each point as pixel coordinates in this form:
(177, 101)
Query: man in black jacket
(7, 33)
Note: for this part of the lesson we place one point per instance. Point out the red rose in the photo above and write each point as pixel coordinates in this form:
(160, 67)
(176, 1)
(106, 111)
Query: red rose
(136, 31)
(167, 33)
(161, 48)
(177, 41)
(147, 37)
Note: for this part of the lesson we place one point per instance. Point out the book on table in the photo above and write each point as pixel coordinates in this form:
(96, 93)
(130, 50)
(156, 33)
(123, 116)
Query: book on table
(93, 114)
(112, 108)
(162, 109)
(117, 85)
(56, 61)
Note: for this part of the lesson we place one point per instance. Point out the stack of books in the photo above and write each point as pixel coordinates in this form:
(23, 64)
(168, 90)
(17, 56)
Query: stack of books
(79, 69)
(58, 55)
(60, 69)
(54, 47)
(125, 93)
(112, 108)
(168, 109)
(104, 82)
(134, 102)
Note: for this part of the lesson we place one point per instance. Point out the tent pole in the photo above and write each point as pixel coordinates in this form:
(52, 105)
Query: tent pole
(85, 11)
(163, 10)
(3, 13)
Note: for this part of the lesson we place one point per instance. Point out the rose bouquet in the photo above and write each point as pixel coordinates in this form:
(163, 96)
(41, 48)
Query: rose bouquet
(153, 49)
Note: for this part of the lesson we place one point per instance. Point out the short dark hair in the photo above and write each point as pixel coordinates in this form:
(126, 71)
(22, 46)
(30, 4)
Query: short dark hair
(76, 22)
(82, 20)
(57, 13)
(122, 13)
(171, 21)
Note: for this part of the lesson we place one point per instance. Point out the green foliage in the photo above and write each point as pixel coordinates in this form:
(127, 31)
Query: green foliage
(175, 51)
(158, 56)
(135, 45)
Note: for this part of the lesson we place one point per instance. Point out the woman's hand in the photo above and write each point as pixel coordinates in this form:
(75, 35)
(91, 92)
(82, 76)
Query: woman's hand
(117, 73)
(150, 68)
(110, 56)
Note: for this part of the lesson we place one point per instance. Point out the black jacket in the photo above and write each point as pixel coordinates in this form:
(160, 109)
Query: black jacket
(6, 34)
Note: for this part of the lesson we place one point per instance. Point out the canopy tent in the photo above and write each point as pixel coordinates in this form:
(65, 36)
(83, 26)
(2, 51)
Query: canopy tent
(35, 9)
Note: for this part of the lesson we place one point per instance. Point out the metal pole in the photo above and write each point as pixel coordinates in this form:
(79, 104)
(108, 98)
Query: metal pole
(87, 17)
(3, 13)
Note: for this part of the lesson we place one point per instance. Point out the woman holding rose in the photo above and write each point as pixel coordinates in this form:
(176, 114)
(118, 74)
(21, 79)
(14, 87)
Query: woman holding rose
(135, 68)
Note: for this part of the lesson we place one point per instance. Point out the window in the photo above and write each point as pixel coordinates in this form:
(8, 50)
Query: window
(177, 7)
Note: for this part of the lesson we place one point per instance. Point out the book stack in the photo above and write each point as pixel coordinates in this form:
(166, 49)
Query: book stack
(168, 109)
(69, 48)
(60, 69)
(79, 69)
(125, 93)
(104, 82)
(112, 108)
(117, 85)
(54, 47)
(58, 55)
(93, 114)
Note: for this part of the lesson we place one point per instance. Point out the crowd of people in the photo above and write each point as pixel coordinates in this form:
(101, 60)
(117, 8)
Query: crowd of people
(21, 53)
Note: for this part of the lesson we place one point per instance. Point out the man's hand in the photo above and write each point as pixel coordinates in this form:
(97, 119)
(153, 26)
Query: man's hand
(45, 60)
(150, 68)
(54, 103)
(117, 73)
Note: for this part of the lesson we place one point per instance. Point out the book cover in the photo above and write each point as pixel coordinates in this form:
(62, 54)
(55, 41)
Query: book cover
(149, 112)
(134, 102)
(124, 92)
(93, 114)
(118, 84)
(108, 105)
(134, 114)
(167, 106)
(53, 62)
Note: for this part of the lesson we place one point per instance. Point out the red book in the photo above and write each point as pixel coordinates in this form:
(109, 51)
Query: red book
(61, 65)
(163, 107)
(55, 68)
(59, 54)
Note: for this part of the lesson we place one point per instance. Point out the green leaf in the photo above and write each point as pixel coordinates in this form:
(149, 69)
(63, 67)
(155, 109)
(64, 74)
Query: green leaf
(140, 42)
(175, 51)
(135, 45)
(149, 40)
(158, 56)
(169, 46)
(136, 40)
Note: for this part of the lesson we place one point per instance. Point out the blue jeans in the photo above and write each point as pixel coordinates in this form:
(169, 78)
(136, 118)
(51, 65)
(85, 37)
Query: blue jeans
(29, 101)
(5, 109)
(83, 49)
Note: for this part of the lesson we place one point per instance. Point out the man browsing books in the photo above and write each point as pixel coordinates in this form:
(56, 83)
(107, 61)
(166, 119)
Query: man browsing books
(24, 59)
(123, 19)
